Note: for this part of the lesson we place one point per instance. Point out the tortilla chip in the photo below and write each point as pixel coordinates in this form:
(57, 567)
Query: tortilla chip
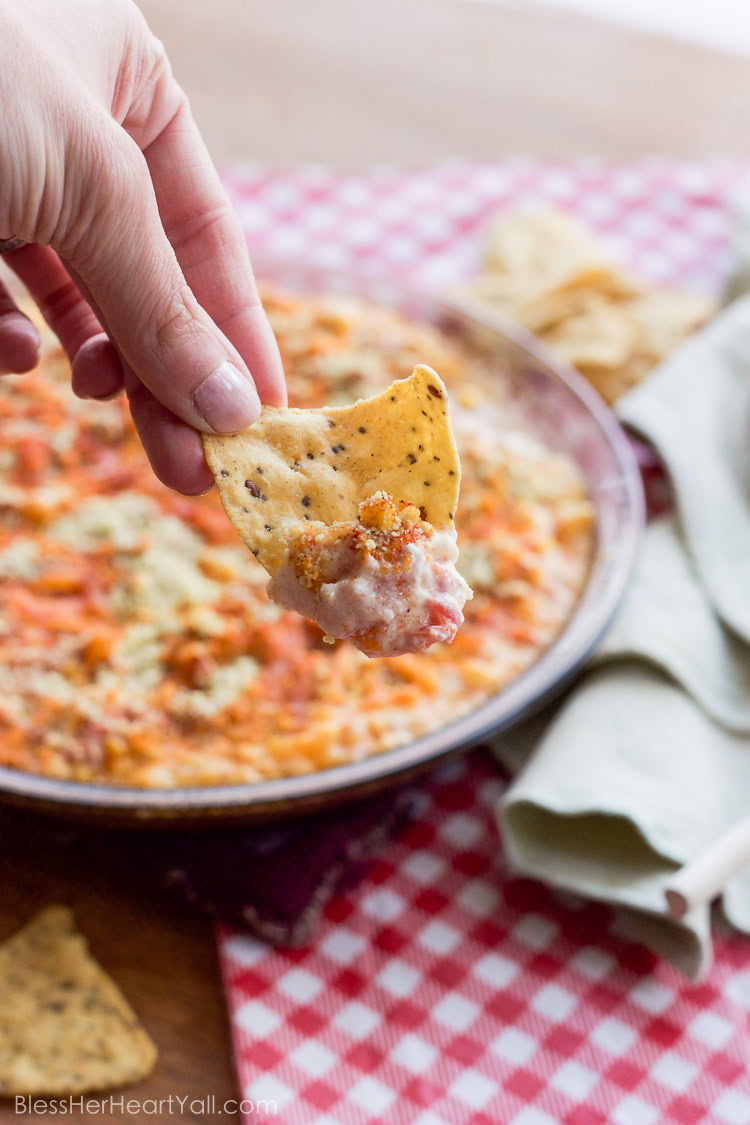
(546, 312)
(297, 465)
(611, 382)
(549, 249)
(533, 309)
(65, 1027)
(545, 271)
(599, 335)
(665, 318)
(542, 311)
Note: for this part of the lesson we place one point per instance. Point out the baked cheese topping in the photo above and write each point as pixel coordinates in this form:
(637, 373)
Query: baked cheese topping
(137, 643)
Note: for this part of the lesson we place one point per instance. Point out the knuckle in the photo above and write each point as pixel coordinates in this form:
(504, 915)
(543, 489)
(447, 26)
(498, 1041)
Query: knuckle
(107, 192)
(126, 171)
(177, 325)
(159, 59)
(58, 304)
(153, 96)
(112, 164)
(213, 230)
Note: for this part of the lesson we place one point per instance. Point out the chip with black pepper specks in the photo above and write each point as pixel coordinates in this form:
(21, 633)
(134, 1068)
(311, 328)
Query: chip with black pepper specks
(399, 442)
(65, 1027)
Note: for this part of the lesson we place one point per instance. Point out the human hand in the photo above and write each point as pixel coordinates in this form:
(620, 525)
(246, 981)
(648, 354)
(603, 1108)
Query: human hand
(135, 256)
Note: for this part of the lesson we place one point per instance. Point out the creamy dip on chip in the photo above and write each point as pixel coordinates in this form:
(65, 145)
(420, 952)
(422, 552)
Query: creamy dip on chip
(352, 512)
(386, 582)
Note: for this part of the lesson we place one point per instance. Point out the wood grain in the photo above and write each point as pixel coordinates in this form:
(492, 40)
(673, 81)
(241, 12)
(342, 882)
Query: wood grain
(352, 82)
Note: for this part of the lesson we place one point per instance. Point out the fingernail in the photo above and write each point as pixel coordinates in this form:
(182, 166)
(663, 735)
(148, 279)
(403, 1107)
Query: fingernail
(227, 400)
(22, 344)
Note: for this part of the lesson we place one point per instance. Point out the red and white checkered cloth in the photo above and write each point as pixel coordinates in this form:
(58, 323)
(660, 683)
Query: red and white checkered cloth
(668, 219)
(442, 991)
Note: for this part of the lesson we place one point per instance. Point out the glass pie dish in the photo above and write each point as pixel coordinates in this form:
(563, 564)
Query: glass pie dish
(569, 417)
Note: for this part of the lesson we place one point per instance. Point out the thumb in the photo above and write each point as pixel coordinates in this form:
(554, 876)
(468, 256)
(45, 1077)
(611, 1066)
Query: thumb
(165, 337)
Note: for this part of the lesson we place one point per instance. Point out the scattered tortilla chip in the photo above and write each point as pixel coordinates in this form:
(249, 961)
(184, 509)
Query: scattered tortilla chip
(544, 270)
(611, 382)
(665, 318)
(297, 465)
(534, 309)
(549, 249)
(65, 1027)
(599, 335)
(543, 311)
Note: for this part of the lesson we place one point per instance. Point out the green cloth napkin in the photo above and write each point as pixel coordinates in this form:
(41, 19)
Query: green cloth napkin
(647, 761)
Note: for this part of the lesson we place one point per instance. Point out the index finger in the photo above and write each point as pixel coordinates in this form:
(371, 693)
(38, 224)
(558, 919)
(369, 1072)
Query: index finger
(210, 246)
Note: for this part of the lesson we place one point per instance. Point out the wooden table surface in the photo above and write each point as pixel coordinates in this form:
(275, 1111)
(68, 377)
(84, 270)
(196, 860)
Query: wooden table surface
(349, 82)
(355, 81)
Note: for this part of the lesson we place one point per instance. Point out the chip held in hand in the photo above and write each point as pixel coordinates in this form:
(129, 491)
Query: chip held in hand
(351, 511)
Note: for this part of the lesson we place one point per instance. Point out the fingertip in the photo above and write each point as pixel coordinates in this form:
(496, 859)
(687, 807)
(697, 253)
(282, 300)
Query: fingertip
(185, 469)
(177, 459)
(201, 491)
(97, 370)
(20, 344)
(174, 449)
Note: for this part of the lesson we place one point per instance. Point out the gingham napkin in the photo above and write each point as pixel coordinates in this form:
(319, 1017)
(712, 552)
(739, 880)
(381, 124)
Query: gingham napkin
(648, 760)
